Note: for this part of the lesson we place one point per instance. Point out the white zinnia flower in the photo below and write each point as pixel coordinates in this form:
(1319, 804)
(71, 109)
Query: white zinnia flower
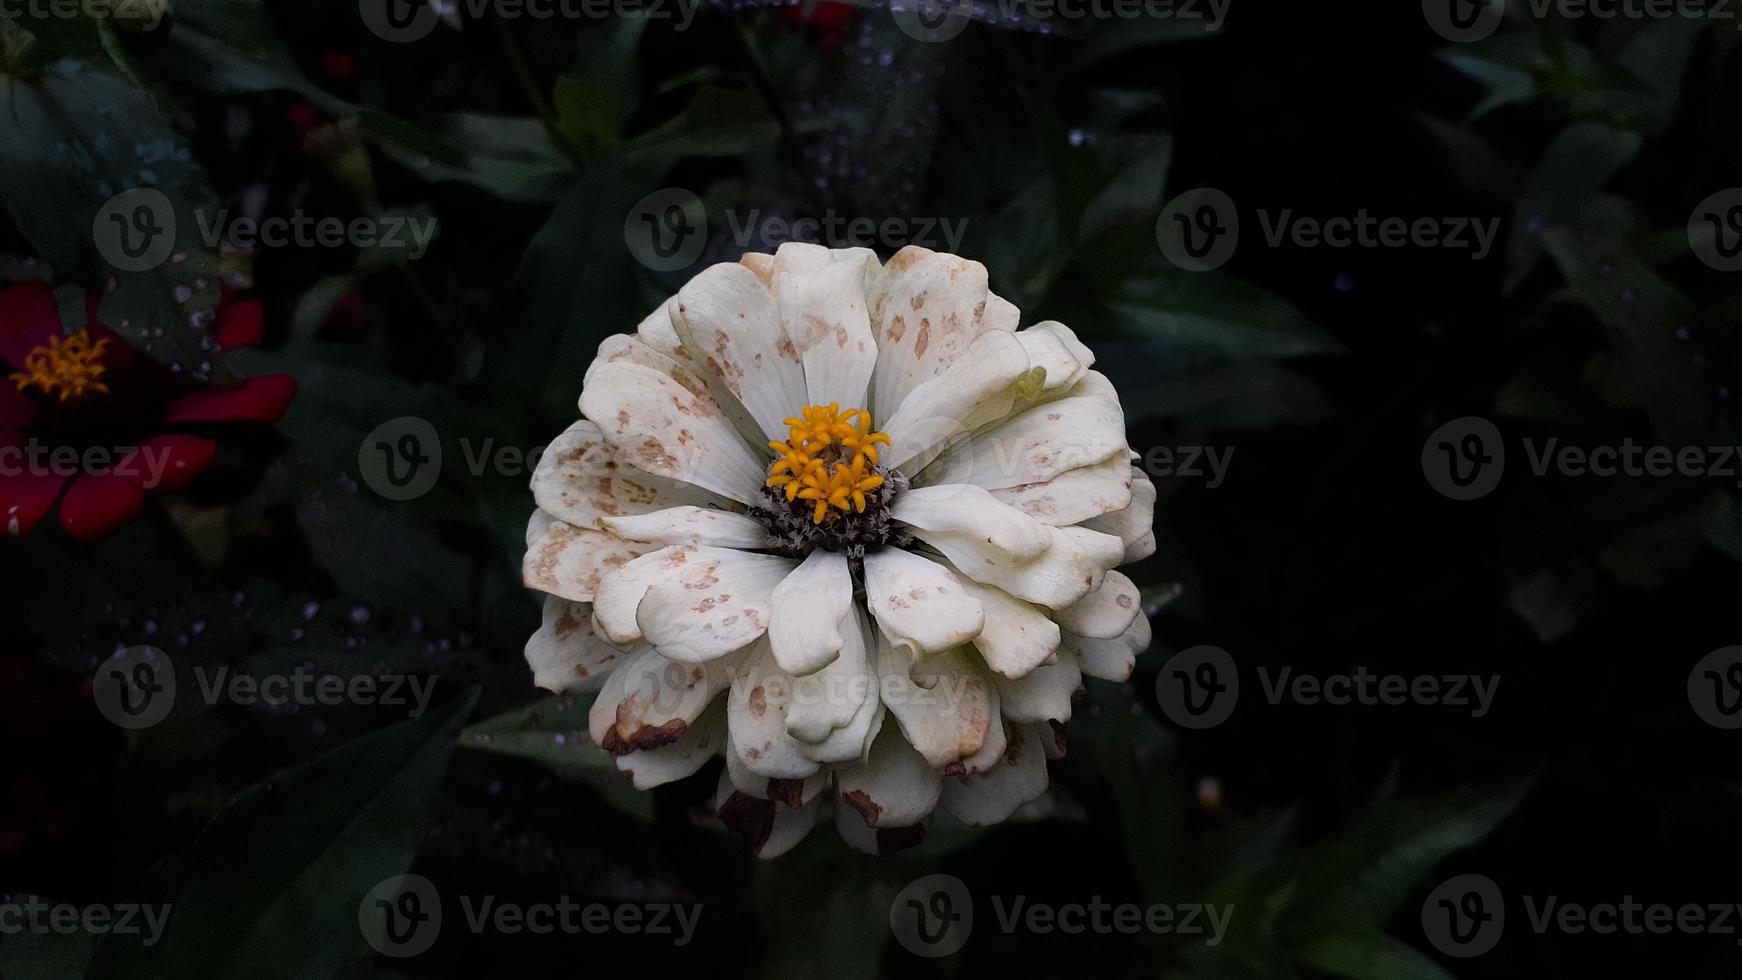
(834, 519)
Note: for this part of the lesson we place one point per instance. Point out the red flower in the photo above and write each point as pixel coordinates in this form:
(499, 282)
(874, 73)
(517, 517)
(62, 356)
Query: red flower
(84, 414)
(827, 21)
(336, 66)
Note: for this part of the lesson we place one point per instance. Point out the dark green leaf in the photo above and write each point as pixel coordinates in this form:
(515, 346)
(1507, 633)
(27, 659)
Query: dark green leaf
(274, 882)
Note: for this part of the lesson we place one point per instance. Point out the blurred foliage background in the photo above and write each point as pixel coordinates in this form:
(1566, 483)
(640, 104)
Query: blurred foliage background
(1053, 146)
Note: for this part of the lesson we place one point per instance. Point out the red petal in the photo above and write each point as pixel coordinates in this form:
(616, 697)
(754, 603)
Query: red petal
(259, 399)
(170, 462)
(240, 325)
(99, 503)
(28, 317)
(26, 493)
(17, 410)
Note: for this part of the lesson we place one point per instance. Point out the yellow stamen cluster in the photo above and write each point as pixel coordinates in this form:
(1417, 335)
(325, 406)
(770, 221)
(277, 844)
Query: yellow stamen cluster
(65, 366)
(830, 458)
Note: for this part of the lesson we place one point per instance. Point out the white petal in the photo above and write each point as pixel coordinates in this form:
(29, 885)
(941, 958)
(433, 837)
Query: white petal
(770, 827)
(1074, 496)
(836, 711)
(756, 711)
(876, 841)
(760, 263)
(992, 796)
(1000, 314)
(581, 479)
(717, 603)
(943, 704)
(1068, 570)
(919, 603)
(809, 611)
(1104, 613)
(894, 788)
(620, 593)
(1037, 444)
(730, 323)
(925, 308)
(1134, 524)
(968, 511)
(1112, 660)
(691, 525)
(991, 747)
(570, 561)
(565, 654)
(649, 700)
(667, 430)
(663, 764)
(661, 349)
(657, 332)
(1044, 694)
(1054, 348)
(981, 387)
(1018, 636)
(825, 313)
(793, 792)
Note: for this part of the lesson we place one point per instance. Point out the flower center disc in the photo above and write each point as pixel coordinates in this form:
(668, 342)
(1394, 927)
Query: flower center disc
(826, 489)
(67, 367)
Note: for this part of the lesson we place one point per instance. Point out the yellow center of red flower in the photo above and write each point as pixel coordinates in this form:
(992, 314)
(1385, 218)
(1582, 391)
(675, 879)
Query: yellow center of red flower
(68, 367)
(829, 458)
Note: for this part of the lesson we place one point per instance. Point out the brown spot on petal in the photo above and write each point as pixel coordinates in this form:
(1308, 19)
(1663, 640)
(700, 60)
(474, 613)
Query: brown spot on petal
(892, 839)
(857, 799)
(644, 737)
(757, 702)
(923, 341)
(748, 817)
(788, 791)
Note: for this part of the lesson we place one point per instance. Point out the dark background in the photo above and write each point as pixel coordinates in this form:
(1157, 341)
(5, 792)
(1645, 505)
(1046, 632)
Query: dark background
(1325, 370)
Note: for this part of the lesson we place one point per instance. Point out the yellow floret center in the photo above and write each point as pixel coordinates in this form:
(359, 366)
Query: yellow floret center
(68, 367)
(830, 459)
